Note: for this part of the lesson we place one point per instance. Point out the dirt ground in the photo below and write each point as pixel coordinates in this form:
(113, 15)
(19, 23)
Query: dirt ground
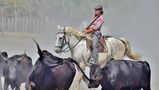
(16, 43)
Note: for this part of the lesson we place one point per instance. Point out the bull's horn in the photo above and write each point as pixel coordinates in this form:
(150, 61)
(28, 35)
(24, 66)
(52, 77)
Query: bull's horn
(38, 47)
(25, 51)
(23, 56)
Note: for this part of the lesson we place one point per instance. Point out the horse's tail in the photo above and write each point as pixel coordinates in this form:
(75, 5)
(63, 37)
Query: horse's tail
(129, 52)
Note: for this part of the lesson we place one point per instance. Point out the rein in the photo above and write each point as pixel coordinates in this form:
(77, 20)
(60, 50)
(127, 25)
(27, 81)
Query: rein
(64, 40)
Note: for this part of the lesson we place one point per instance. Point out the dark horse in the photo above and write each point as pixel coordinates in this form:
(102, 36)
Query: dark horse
(51, 72)
(123, 75)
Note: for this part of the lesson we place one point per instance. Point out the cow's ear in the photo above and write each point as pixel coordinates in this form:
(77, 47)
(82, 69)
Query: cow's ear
(4, 54)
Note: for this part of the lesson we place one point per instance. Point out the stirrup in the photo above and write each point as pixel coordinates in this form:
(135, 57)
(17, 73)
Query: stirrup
(92, 61)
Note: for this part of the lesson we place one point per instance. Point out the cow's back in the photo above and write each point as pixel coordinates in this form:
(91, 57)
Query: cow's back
(58, 77)
(126, 74)
(22, 73)
(64, 73)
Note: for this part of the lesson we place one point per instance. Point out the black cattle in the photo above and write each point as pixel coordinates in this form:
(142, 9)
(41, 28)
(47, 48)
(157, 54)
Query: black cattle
(124, 75)
(3, 57)
(51, 72)
(16, 70)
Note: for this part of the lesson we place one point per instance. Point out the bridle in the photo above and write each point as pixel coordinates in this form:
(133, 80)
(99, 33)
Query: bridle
(64, 42)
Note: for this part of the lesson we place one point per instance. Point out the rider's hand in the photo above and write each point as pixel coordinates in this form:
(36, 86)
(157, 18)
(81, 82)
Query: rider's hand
(89, 30)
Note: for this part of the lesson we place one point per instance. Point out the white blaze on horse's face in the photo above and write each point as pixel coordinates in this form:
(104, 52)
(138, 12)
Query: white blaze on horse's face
(59, 40)
(59, 44)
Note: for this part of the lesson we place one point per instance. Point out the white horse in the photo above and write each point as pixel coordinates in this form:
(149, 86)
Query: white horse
(116, 48)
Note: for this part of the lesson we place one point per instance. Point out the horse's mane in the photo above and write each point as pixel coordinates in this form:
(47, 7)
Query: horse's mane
(77, 33)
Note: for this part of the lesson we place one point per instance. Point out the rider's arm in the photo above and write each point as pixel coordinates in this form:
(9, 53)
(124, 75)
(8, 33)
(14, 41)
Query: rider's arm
(98, 24)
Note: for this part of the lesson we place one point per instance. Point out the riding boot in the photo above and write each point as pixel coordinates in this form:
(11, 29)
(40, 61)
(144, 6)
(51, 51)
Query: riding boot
(92, 61)
(95, 72)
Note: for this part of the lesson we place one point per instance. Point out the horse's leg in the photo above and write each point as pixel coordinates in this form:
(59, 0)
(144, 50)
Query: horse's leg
(84, 79)
(28, 86)
(80, 76)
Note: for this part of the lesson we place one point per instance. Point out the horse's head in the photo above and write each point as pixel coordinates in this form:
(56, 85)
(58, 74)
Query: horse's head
(60, 39)
(67, 36)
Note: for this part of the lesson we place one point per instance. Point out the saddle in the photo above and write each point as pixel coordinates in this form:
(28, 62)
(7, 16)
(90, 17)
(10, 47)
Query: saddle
(101, 45)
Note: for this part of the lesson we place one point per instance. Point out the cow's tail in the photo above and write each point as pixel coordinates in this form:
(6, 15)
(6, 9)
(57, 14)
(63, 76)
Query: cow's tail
(129, 52)
(147, 76)
(77, 64)
(147, 69)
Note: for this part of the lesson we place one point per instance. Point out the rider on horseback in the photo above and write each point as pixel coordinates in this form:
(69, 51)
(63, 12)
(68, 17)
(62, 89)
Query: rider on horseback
(94, 29)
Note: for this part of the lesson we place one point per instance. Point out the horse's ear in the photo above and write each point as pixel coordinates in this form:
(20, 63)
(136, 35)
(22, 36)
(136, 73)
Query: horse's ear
(58, 26)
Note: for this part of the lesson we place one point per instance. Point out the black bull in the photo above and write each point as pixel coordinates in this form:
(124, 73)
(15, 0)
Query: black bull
(123, 75)
(16, 70)
(51, 72)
